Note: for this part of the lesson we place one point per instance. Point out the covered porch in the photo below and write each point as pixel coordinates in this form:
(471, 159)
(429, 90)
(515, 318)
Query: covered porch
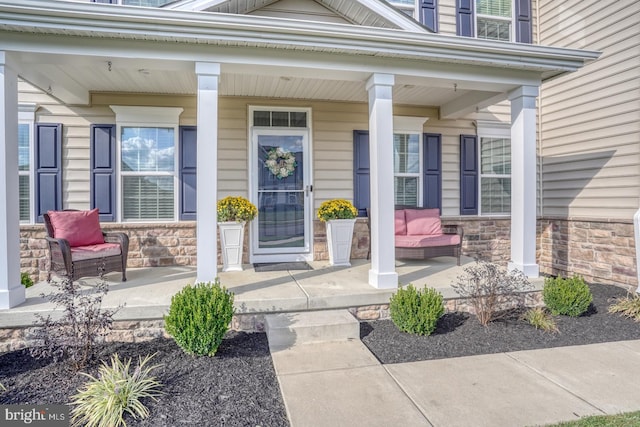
(217, 60)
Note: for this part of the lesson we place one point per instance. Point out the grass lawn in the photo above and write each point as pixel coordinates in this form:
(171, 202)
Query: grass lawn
(630, 419)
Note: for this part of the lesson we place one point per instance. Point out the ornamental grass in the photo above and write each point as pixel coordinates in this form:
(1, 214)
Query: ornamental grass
(337, 209)
(104, 401)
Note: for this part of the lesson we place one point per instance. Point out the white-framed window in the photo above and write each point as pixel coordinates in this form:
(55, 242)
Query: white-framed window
(494, 19)
(405, 6)
(407, 160)
(494, 148)
(26, 119)
(147, 141)
(407, 168)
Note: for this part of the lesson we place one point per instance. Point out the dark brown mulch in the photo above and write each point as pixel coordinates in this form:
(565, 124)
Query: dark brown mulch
(236, 387)
(462, 335)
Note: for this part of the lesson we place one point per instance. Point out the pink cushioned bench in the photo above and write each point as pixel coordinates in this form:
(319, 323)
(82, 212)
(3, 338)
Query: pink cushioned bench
(420, 234)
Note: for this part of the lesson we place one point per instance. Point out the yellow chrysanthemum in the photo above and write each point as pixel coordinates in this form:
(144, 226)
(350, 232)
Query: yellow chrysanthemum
(337, 209)
(236, 209)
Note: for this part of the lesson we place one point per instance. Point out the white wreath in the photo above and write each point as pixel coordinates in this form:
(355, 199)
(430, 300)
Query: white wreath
(280, 162)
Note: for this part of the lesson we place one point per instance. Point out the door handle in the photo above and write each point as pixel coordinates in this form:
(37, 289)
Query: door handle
(308, 189)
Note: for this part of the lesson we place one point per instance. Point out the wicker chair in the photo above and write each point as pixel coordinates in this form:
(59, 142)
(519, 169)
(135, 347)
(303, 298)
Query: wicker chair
(67, 262)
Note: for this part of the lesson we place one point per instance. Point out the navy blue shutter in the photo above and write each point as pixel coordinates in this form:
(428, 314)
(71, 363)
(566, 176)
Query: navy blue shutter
(429, 14)
(464, 18)
(361, 180)
(524, 30)
(48, 159)
(188, 161)
(103, 171)
(432, 164)
(468, 175)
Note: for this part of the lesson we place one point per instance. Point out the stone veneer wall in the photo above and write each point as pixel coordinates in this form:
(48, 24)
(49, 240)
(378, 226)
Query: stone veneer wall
(485, 238)
(600, 250)
(150, 245)
(153, 245)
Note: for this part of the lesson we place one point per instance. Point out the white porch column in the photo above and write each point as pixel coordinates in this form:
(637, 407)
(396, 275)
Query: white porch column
(523, 180)
(383, 254)
(12, 292)
(207, 171)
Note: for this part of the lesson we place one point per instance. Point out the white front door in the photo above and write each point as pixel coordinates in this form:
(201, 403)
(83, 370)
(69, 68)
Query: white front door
(282, 192)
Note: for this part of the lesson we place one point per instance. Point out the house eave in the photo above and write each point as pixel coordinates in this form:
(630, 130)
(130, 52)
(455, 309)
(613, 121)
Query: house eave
(87, 20)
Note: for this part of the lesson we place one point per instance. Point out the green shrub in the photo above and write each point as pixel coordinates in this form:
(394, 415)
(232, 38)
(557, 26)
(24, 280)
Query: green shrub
(539, 318)
(570, 296)
(628, 307)
(104, 401)
(416, 311)
(26, 280)
(199, 317)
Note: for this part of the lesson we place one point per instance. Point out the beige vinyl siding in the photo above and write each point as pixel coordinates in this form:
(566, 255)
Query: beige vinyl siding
(447, 12)
(590, 122)
(332, 126)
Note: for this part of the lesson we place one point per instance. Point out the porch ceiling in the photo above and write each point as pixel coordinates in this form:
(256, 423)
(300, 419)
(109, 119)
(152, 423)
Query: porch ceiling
(75, 79)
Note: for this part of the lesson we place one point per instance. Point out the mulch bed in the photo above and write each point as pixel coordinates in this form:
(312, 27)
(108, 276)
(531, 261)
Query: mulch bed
(239, 387)
(459, 334)
(236, 387)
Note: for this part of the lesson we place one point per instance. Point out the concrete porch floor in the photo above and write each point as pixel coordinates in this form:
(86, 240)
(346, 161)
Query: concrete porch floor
(147, 292)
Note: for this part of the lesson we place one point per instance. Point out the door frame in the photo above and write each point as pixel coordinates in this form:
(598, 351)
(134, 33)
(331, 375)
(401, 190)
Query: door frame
(306, 254)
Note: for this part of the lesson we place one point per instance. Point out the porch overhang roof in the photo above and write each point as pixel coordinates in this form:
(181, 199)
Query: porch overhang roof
(74, 20)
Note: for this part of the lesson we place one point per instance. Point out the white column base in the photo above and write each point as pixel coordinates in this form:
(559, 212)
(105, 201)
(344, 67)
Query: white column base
(530, 270)
(383, 280)
(12, 297)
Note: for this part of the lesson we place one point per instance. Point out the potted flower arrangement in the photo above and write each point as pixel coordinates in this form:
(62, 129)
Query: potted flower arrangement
(340, 217)
(233, 214)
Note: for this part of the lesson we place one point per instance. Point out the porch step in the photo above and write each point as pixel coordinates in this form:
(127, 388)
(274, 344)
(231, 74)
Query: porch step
(288, 329)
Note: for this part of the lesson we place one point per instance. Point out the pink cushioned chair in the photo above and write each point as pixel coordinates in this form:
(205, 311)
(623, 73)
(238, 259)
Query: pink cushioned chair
(79, 248)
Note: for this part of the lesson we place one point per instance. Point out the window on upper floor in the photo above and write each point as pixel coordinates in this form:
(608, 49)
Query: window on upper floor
(503, 20)
(406, 6)
(423, 11)
(494, 19)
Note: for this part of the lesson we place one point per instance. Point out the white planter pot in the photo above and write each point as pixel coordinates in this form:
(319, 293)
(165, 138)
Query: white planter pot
(339, 238)
(232, 243)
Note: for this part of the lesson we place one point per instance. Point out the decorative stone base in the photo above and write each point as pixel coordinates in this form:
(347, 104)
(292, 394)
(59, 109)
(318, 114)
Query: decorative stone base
(145, 330)
(602, 251)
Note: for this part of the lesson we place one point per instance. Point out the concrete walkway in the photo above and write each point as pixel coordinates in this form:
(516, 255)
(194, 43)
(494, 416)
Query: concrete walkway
(342, 384)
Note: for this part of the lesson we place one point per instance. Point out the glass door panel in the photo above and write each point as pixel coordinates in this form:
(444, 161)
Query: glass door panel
(281, 197)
